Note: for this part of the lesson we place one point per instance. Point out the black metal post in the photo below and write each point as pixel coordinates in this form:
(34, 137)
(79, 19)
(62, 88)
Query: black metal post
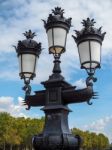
(56, 70)
(56, 134)
(58, 93)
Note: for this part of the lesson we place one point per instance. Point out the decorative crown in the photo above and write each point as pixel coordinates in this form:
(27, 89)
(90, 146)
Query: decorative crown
(28, 45)
(57, 18)
(89, 29)
(58, 11)
(29, 34)
(88, 23)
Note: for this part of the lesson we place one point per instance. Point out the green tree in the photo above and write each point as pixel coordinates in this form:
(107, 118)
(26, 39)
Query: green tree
(17, 133)
(103, 142)
(4, 124)
(92, 141)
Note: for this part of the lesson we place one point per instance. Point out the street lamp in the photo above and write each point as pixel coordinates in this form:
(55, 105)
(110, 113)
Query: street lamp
(57, 28)
(28, 52)
(58, 93)
(89, 41)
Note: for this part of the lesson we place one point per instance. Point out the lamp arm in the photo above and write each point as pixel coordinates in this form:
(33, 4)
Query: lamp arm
(36, 100)
(90, 80)
(77, 96)
(27, 89)
(72, 95)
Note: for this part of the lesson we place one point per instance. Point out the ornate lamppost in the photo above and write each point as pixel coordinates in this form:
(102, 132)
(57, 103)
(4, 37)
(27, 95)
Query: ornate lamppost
(58, 93)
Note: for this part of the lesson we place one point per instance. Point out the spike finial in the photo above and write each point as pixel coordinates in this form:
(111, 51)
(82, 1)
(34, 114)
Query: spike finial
(58, 11)
(29, 34)
(88, 23)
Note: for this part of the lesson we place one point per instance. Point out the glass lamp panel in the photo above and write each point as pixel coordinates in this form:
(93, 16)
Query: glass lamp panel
(50, 37)
(90, 65)
(95, 51)
(59, 36)
(84, 53)
(19, 58)
(57, 39)
(28, 64)
(87, 65)
(27, 75)
(56, 50)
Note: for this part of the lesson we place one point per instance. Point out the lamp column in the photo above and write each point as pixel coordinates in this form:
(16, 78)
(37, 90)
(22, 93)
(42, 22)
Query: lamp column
(58, 93)
(56, 134)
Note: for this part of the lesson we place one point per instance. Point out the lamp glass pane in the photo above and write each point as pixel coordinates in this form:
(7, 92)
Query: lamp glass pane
(95, 51)
(50, 37)
(56, 39)
(84, 53)
(28, 64)
(89, 52)
(20, 69)
(87, 65)
(59, 36)
(90, 64)
(56, 50)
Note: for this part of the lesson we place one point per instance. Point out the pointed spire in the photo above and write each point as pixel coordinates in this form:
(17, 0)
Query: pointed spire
(88, 23)
(58, 11)
(29, 34)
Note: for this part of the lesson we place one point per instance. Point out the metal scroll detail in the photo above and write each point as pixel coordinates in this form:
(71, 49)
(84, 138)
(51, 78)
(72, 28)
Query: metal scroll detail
(89, 82)
(27, 89)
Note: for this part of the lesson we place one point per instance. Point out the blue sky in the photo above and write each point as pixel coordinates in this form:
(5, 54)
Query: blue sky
(18, 16)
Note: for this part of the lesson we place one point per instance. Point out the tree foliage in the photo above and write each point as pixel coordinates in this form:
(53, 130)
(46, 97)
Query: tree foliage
(91, 140)
(17, 133)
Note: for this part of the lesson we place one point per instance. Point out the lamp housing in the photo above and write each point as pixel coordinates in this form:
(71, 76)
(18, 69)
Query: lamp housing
(28, 52)
(89, 42)
(57, 27)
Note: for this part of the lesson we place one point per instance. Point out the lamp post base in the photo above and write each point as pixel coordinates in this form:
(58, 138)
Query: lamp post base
(56, 142)
(56, 134)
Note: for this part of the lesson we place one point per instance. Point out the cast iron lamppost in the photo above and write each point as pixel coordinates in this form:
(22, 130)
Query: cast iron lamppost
(58, 93)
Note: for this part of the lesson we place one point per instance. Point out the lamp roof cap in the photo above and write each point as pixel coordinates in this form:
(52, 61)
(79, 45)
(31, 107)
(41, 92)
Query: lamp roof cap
(89, 30)
(56, 17)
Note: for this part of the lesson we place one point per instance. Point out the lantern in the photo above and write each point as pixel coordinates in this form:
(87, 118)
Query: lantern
(89, 42)
(57, 28)
(28, 52)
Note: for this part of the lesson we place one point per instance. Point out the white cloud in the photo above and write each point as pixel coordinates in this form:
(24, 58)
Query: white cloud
(9, 75)
(5, 101)
(25, 15)
(80, 84)
(7, 105)
(20, 100)
(103, 125)
(29, 15)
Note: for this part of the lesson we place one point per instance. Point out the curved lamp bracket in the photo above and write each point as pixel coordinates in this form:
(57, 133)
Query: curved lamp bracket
(27, 89)
(89, 103)
(89, 82)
